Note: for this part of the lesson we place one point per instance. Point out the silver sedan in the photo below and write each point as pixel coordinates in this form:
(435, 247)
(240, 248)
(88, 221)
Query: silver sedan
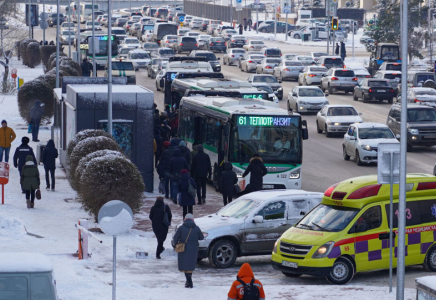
(232, 56)
(288, 70)
(254, 45)
(249, 62)
(304, 59)
(267, 66)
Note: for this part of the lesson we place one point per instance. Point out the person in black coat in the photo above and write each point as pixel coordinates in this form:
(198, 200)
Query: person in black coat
(86, 67)
(257, 170)
(36, 113)
(186, 200)
(201, 170)
(228, 181)
(185, 152)
(250, 23)
(159, 228)
(343, 51)
(241, 28)
(49, 160)
(21, 153)
(177, 164)
(245, 24)
(337, 49)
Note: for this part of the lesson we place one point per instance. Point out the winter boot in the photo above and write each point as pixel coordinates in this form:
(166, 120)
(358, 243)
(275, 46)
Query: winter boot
(32, 204)
(28, 203)
(189, 277)
(204, 200)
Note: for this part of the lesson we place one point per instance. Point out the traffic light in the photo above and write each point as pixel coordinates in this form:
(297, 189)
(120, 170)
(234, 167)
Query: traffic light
(335, 23)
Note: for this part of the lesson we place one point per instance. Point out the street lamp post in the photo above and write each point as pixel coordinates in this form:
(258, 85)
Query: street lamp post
(109, 70)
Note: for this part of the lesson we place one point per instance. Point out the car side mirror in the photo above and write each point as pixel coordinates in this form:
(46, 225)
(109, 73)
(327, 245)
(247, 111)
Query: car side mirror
(352, 138)
(323, 115)
(360, 114)
(397, 136)
(280, 81)
(258, 219)
(219, 58)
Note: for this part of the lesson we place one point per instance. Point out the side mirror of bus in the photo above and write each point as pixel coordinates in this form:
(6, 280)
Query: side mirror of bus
(305, 134)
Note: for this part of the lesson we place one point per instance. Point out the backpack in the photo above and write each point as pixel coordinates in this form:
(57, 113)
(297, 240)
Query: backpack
(251, 292)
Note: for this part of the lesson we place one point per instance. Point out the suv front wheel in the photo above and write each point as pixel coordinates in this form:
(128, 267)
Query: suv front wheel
(223, 254)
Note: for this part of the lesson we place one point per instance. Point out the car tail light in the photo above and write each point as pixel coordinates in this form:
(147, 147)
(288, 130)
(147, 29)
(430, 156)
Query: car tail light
(196, 45)
(286, 69)
(225, 44)
(246, 41)
(335, 78)
(370, 90)
(426, 186)
(251, 47)
(345, 67)
(365, 192)
(355, 79)
(392, 91)
(250, 61)
(181, 44)
(268, 67)
(233, 56)
(329, 191)
(312, 75)
(417, 101)
(367, 76)
(233, 40)
(211, 44)
(322, 65)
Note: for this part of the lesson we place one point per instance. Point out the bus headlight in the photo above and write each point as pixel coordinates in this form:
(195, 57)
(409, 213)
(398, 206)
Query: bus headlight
(324, 250)
(295, 174)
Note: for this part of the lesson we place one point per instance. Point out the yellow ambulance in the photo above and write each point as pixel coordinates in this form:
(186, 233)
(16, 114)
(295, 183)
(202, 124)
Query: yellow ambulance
(349, 231)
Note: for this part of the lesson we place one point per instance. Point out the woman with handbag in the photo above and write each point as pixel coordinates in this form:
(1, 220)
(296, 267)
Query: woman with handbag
(228, 181)
(160, 216)
(30, 181)
(187, 192)
(186, 241)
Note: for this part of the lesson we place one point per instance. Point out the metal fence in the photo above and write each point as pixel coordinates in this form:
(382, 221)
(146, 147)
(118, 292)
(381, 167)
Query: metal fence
(216, 12)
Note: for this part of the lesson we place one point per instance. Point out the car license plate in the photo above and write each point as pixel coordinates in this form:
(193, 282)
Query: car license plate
(289, 264)
(268, 186)
(381, 91)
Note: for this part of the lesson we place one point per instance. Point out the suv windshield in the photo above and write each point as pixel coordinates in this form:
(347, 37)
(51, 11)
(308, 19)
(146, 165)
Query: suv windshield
(293, 64)
(310, 93)
(334, 62)
(375, 133)
(341, 73)
(421, 115)
(273, 52)
(131, 41)
(166, 52)
(118, 31)
(209, 56)
(379, 84)
(150, 45)
(237, 209)
(266, 79)
(341, 111)
(328, 218)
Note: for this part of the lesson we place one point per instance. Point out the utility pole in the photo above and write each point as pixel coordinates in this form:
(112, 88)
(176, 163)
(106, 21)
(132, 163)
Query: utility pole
(57, 42)
(352, 22)
(69, 29)
(94, 67)
(28, 20)
(43, 30)
(275, 18)
(109, 69)
(79, 53)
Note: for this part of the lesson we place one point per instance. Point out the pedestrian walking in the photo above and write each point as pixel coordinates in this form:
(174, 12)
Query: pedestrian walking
(189, 234)
(49, 156)
(187, 200)
(434, 66)
(343, 51)
(177, 164)
(7, 136)
(250, 23)
(21, 154)
(245, 24)
(86, 67)
(163, 167)
(241, 28)
(246, 286)
(30, 180)
(337, 49)
(158, 223)
(36, 113)
(201, 170)
(257, 170)
(185, 152)
(228, 181)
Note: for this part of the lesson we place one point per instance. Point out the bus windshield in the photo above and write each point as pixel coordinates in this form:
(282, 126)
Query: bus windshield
(276, 139)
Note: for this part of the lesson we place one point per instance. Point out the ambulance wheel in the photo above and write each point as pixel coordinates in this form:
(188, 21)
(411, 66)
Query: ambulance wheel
(291, 274)
(342, 271)
(430, 260)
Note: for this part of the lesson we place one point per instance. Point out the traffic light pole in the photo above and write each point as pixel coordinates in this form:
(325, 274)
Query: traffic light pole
(43, 31)
(57, 42)
(28, 20)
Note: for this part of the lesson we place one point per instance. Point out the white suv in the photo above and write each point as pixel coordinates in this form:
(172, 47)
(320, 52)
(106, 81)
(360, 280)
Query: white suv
(339, 80)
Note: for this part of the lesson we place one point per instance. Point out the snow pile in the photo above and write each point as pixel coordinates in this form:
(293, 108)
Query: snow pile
(24, 262)
(10, 228)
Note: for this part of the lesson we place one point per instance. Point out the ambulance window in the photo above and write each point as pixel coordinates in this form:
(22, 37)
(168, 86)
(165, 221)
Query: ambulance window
(428, 210)
(273, 210)
(413, 213)
(371, 219)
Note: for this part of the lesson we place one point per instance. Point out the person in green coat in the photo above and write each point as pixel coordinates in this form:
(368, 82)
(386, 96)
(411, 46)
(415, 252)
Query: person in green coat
(30, 181)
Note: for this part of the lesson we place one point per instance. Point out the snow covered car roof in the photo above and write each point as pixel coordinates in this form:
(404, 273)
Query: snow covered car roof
(370, 124)
(23, 262)
(266, 195)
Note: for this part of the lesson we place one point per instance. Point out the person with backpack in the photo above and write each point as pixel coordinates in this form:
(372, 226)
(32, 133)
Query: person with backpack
(246, 287)
(201, 170)
(228, 181)
(160, 223)
(257, 170)
(49, 156)
(187, 189)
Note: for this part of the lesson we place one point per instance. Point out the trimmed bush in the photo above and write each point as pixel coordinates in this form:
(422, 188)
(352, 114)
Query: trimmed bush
(52, 60)
(46, 51)
(83, 163)
(34, 56)
(24, 50)
(84, 134)
(71, 65)
(107, 178)
(30, 92)
(48, 79)
(85, 147)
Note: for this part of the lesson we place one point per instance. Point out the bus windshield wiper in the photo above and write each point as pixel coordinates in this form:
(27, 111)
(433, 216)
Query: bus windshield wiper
(320, 227)
(307, 226)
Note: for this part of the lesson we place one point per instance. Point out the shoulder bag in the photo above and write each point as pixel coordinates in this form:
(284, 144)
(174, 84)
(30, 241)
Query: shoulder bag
(166, 219)
(192, 191)
(180, 247)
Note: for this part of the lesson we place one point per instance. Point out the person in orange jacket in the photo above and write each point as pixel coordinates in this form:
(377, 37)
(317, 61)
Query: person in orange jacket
(245, 277)
(7, 136)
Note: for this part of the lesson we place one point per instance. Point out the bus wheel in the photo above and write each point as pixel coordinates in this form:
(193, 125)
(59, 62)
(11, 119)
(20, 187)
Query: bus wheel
(342, 271)
(430, 260)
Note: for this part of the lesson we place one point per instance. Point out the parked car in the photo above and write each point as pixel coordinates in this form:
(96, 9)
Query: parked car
(185, 44)
(155, 66)
(421, 124)
(232, 56)
(269, 80)
(202, 40)
(288, 70)
(339, 80)
(267, 65)
(311, 75)
(139, 58)
(216, 44)
(302, 99)
(331, 61)
(269, 27)
(253, 230)
(336, 119)
(254, 45)
(361, 141)
(248, 62)
(168, 41)
(374, 89)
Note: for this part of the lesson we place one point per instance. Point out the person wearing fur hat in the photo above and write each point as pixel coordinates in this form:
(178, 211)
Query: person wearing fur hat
(189, 233)
(29, 180)
(186, 200)
(257, 170)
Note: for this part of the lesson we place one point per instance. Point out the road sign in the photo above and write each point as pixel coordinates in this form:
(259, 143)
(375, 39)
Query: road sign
(287, 10)
(181, 24)
(181, 18)
(115, 218)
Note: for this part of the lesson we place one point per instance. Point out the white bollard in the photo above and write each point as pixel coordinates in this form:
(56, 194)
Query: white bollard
(84, 238)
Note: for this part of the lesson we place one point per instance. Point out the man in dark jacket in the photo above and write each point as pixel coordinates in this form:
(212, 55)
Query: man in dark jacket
(21, 153)
(86, 67)
(29, 180)
(337, 49)
(185, 152)
(245, 24)
(228, 181)
(160, 230)
(186, 200)
(250, 23)
(257, 170)
(343, 51)
(36, 113)
(201, 169)
(241, 28)
(49, 160)
(177, 164)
